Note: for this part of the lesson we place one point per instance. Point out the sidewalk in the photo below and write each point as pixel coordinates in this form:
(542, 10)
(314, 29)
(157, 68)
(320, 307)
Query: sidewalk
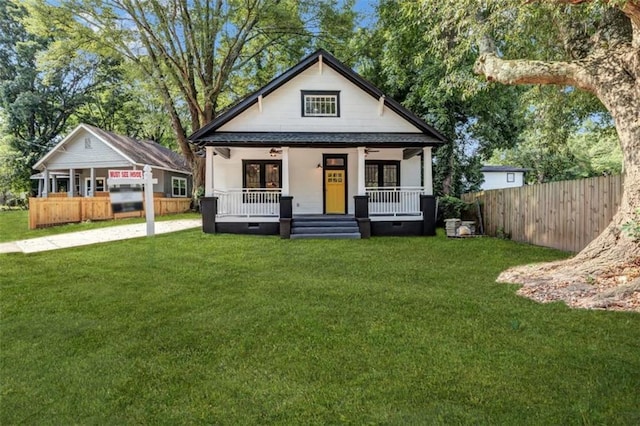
(102, 235)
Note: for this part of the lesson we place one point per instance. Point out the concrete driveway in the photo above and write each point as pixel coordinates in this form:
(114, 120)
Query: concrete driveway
(94, 236)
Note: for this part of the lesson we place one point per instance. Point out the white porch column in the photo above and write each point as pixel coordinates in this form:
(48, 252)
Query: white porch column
(285, 170)
(92, 183)
(39, 187)
(54, 187)
(72, 183)
(45, 192)
(208, 174)
(427, 170)
(361, 183)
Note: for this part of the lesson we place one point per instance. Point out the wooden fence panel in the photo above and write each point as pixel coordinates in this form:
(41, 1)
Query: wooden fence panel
(59, 210)
(565, 215)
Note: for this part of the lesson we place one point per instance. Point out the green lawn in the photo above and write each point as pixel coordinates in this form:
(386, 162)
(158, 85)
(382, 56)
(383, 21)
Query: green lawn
(14, 225)
(195, 328)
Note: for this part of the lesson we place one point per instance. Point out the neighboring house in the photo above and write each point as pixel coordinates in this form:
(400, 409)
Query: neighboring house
(87, 154)
(499, 177)
(318, 140)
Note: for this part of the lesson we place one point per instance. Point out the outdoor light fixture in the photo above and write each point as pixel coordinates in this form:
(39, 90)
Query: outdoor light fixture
(319, 166)
(273, 152)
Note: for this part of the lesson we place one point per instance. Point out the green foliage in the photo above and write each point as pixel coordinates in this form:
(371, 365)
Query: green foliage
(591, 150)
(39, 92)
(454, 208)
(632, 227)
(423, 53)
(398, 56)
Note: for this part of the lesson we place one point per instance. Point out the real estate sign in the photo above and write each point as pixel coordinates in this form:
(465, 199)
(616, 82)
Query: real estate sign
(131, 199)
(136, 175)
(125, 190)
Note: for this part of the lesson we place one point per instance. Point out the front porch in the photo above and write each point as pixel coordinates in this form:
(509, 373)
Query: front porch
(408, 212)
(281, 183)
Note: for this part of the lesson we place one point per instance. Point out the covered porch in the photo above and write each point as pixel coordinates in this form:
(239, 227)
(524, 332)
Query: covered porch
(263, 189)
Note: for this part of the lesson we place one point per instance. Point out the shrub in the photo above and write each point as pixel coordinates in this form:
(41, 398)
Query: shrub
(453, 207)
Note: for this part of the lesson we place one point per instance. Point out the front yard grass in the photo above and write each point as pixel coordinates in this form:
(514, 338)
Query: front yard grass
(217, 329)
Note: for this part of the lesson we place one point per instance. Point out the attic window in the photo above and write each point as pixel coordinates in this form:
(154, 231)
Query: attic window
(320, 103)
(511, 177)
(87, 143)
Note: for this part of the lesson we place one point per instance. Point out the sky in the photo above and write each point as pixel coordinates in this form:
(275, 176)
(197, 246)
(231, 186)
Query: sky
(366, 8)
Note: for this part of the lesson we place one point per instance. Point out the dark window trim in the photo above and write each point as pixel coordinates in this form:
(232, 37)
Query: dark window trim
(335, 93)
(324, 180)
(247, 197)
(381, 164)
(511, 175)
(262, 175)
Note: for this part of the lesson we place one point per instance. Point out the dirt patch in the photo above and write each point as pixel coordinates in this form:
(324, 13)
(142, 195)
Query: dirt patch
(617, 288)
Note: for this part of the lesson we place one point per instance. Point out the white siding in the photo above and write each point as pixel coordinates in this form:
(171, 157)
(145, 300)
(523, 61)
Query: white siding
(498, 180)
(281, 110)
(75, 155)
(305, 178)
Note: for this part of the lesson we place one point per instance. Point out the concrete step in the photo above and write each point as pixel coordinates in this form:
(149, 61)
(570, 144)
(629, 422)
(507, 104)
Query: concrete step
(324, 217)
(324, 229)
(324, 223)
(332, 236)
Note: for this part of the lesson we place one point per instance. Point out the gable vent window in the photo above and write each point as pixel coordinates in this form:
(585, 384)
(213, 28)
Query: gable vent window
(320, 103)
(87, 143)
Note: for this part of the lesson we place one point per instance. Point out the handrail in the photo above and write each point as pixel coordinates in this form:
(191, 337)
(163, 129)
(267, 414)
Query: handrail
(394, 200)
(249, 202)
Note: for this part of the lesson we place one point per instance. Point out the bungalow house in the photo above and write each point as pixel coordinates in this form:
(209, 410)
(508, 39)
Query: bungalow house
(318, 151)
(500, 177)
(79, 164)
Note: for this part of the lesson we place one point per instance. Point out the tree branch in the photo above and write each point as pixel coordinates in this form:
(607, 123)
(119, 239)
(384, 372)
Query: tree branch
(533, 72)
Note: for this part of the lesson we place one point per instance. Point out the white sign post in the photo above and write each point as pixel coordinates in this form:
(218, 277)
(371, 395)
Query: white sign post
(138, 177)
(148, 199)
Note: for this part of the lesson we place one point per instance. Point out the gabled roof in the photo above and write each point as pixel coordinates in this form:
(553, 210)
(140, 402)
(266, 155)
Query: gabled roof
(327, 59)
(134, 151)
(503, 169)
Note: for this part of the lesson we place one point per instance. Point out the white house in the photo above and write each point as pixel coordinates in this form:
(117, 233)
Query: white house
(500, 177)
(87, 153)
(318, 150)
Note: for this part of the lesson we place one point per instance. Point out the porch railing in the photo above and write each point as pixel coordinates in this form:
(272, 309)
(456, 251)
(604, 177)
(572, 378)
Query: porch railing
(248, 202)
(394, 201)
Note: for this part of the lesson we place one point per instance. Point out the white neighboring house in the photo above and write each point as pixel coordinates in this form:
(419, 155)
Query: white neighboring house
(88, 152)
(500, 177)
(318, 140)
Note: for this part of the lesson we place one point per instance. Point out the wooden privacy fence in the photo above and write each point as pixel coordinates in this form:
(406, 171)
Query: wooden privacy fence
(58, 210)
(565, 215)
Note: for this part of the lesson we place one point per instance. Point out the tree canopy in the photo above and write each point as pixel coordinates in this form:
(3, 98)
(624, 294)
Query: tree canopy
(587, 48)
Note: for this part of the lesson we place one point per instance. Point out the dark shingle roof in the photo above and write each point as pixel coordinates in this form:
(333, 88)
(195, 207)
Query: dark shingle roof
(143, 152)
(315, 139)
(503, 169)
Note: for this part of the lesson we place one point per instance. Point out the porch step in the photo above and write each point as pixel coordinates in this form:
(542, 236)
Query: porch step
(328, 236)
(323, 229)
(333, 227)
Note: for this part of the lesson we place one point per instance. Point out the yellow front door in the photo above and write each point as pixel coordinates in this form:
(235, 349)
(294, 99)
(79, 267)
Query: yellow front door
(334, 181)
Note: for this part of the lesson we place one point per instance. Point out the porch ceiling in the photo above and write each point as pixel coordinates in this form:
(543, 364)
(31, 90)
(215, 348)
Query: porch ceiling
(317, 140)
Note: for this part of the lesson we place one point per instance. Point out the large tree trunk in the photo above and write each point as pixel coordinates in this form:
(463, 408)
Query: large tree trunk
(606, 274)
